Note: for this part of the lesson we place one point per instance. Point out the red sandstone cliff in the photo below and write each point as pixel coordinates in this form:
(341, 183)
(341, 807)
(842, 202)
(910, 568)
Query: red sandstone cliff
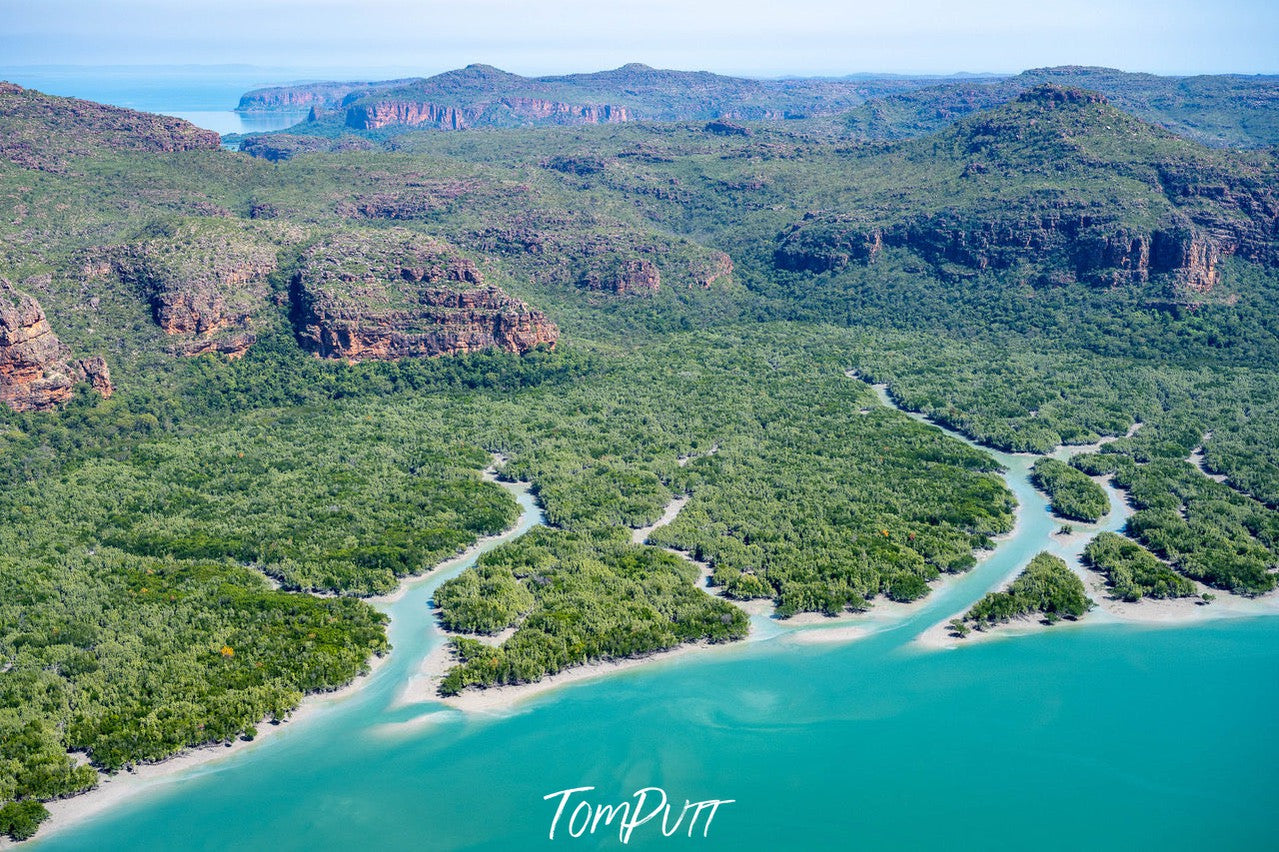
(513, 110)
(399, 295)
(35, 374)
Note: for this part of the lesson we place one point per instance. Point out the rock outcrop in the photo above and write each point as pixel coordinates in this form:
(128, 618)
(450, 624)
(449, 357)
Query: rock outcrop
(598, 254)
(94, 370)
(35, 371)
(707, 272)
(723, 127)
(635, 275)
(204, 281)
(377, 114)
(300, 97)
(1082, 247)
(392, 295)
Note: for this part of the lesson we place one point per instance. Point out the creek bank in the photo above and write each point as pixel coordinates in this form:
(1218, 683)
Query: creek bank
(125, 784)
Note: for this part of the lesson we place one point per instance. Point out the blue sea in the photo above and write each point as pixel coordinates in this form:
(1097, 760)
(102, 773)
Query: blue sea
(204, 95)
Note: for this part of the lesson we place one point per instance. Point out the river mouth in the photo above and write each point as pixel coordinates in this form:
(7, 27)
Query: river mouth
(881, 726)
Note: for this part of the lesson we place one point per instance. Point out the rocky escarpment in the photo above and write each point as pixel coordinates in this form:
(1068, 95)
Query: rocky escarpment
(480, 95)
(636, 275)
(205, 282)
(503, 112)
(300, 97)
(1008, 185)
(44, 132)
(36, 371)
(640, 275)
(392, 295)
(1066, 246)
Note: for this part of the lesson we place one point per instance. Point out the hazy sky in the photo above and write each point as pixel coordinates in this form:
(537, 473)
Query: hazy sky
(731, 36)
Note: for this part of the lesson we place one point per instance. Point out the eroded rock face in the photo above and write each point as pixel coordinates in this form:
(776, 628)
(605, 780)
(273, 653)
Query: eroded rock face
(512, 110)
(823, 244)
(204, 282)
(94, 370)
(600, 255)
(636, 275)
(232, 346)
(392, 295)
(706, 273)
(1092, 249)
(35, 374)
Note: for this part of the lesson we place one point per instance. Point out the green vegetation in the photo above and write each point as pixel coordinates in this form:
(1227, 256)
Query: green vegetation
(1046, 586)
(1220, 535)
(1223, 110)
(1051, 272)
(20, 819)
(1074, 496)
(575, 598)
(1133, 572)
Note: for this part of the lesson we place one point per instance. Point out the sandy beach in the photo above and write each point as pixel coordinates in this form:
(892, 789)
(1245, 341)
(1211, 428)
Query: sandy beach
(113, 789)
(500, 700)
(1171, 612)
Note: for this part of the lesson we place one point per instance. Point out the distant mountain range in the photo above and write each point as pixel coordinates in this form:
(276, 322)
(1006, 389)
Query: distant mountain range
(1221, 111)
(480, 95)
(1225, 110)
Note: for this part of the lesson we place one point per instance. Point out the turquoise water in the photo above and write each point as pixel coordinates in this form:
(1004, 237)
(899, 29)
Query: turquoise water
(1098, 735)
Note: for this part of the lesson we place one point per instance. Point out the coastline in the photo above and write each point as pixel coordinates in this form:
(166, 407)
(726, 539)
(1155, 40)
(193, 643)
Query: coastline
(1148, 612)
(502, 700)
(114, 788)
(127, 783)
(419, 689)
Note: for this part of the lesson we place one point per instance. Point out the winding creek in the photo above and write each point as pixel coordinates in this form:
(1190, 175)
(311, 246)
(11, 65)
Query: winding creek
(823, 741)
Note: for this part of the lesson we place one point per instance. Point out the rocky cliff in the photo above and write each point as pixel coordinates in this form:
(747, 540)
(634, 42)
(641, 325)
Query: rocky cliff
(36, 372)
(1067, 247)
(392, 295)
(205, 281)
(480, 95)
(1007, 188)
(635, 275)
(503, 112)
(300, 97)
(599, 254)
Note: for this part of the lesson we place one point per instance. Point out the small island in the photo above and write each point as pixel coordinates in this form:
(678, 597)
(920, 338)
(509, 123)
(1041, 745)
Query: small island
(568, 599)
(1046, 587)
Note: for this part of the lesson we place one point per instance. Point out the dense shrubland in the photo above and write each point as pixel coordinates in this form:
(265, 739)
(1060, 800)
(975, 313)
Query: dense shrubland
(1074, 496)
(142, 535)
